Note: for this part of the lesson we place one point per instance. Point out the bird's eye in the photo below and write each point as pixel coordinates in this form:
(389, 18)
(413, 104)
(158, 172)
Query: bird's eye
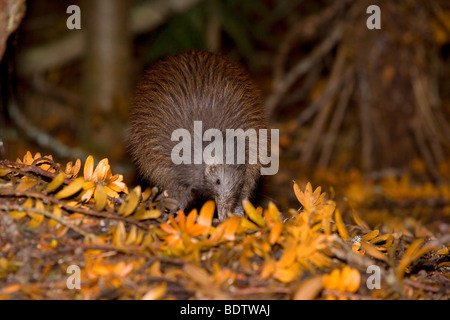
(218, 181)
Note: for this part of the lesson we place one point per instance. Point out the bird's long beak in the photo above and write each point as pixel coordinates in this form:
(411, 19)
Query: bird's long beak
(223, 208)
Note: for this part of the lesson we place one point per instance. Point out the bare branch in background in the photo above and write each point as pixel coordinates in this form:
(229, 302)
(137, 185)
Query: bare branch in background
(143, 18)
(282, 86)
(43, 139)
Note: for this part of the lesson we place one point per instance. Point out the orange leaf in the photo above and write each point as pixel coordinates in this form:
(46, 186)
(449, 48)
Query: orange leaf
(275, 232)
(119, 234)
(56, 183)
(371, 235)
(89, 168)
(56, 212)
(156, 292)
(373, 251)
(309, 289)
(181, 220)
(101, 170)
(340, 225)
(71, 189)
(298, 192)
(272, 214)
(252, 213)
(10, 289)
(232, 225)
(218, 232)
(100, 198)
(359, 221)
(131, 202)
(26, 184)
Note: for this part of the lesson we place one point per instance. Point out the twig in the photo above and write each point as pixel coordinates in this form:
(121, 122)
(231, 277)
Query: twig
(15, 207)
(417, 285)
(304, 27)
(11, 192)
(347, 295)
(432, 131)
(339, 114)
(31, 168)
(42, 138)
(312, 143)
(60, 94)
(306, 84)
(421, 93)
(282, 86)
(420, 139)
(109, 247)
(261, 290)
(331, 89)
(365, 123)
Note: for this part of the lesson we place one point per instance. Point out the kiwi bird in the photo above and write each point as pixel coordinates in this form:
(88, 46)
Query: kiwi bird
(176, 92)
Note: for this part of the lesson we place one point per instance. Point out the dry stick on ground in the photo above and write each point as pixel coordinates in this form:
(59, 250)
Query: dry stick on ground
(282, 86)
(261, 290)
(19, 168)
(66, 207)
(348, 295)
(418, 285)
(16, 207)
(318, 126)
(336, 121)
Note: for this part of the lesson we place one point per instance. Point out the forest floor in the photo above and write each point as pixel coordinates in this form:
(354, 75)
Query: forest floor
(79, 232)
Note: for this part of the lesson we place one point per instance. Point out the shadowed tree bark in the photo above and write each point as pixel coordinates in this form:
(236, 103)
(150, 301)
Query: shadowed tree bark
(11, 13)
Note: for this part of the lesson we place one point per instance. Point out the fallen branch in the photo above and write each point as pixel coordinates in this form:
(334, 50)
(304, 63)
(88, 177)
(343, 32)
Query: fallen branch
(89, 212)
(347, 295)
(15, 207)
(33, 169)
